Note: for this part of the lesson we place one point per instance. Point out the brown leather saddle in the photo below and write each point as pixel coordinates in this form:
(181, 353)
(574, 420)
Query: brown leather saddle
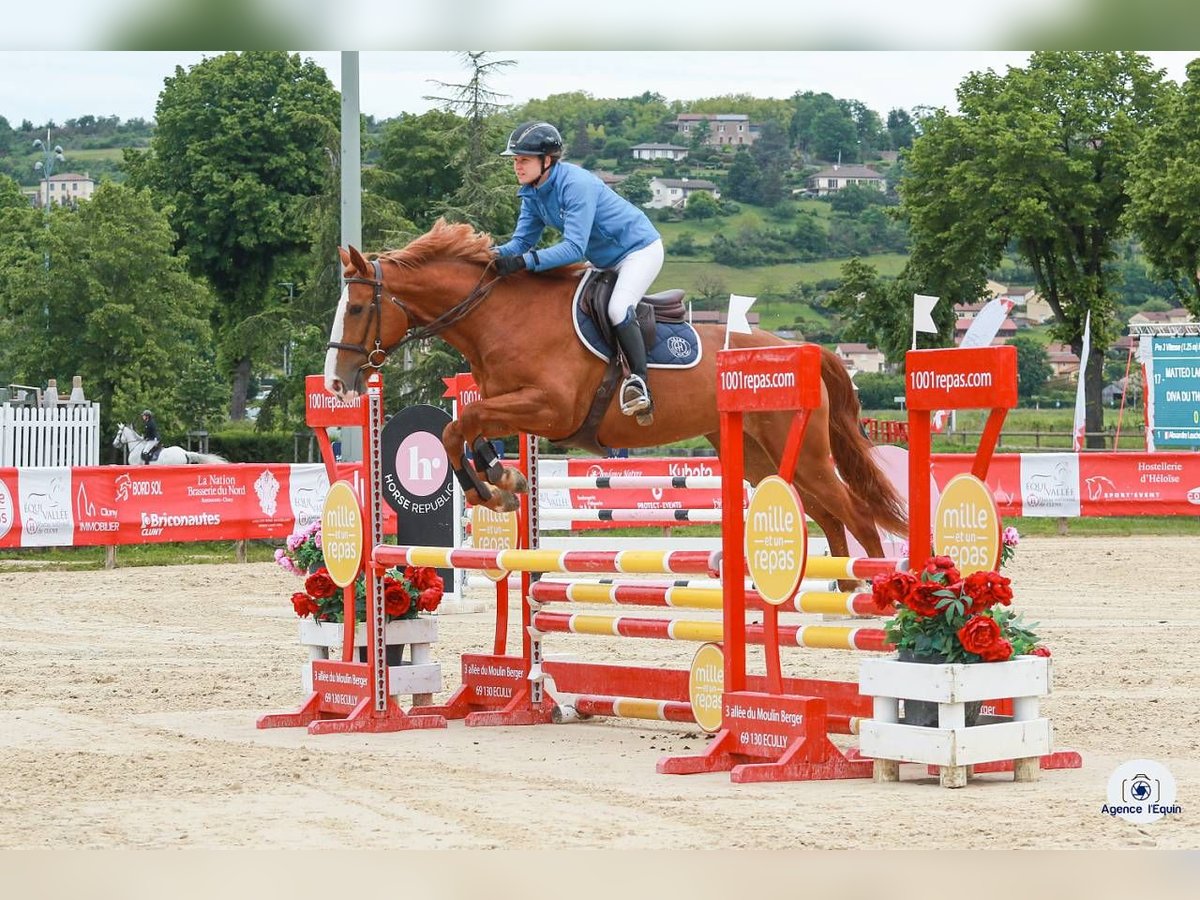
(592, 298)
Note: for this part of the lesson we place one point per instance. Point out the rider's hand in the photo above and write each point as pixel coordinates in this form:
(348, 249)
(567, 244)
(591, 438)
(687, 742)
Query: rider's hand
(506, 265)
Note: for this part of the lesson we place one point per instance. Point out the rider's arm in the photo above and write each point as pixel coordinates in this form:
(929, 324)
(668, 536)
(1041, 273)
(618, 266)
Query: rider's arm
(578, 199)
(527, 233)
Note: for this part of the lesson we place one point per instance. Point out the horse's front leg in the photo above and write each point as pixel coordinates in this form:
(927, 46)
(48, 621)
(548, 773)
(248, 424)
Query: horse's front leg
(495, 416)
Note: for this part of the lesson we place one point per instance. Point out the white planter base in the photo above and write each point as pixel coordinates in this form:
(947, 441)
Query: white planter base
(952, 746)
(417, 675)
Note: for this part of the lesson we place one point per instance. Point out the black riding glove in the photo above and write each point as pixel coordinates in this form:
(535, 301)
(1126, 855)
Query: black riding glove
(506, 265)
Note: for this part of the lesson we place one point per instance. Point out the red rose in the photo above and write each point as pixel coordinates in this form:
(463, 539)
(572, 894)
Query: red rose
(889, 590)
(319, 584)
(921, 598)
(986, 589)
(998, 652)
(396, 599)
(429, 600)
(942, 565)
(304, 604)
(426, 577)
(981, 635)
(1040, 651)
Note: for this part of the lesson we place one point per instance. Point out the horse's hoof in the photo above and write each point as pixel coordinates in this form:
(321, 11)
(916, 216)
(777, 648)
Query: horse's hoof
(508, 502)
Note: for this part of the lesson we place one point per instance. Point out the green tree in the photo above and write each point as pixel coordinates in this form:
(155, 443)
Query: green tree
(742, 181)
(878, 311)
(1033, 366)
(116, 307)
(636, 189)
(901, 129)
(416, 170)
(701, 205)
(1164, 190)
(1036, 160)
(242, 142)
(485, 196)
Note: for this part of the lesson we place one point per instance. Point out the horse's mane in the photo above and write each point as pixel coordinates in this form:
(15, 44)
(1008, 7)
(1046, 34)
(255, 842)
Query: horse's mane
(453, 240)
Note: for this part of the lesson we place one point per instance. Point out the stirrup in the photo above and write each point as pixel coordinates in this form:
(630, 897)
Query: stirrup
(635, 397)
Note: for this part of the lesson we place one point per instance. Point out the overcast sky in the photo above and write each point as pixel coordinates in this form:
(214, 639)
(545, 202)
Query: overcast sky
(65, 84)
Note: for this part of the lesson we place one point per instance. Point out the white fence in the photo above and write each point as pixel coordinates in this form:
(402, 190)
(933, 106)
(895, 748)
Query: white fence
(66, 435)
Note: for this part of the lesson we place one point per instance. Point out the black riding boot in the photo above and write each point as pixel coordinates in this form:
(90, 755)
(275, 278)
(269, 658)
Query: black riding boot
(635, 390)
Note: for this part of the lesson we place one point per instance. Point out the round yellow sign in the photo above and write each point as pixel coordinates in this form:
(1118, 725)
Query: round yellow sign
(491, 530)
(776, 540)
(342, 533)
(706, 685)
(966, 525)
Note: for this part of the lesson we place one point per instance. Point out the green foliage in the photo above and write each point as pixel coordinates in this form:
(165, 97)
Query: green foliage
(701, 205)
(1033, 366)
(636, 188)
(877, 390)
(1038, 159)
(243, 141)
(241, 445)
(115, 306)
(414, 168)
(1164, 191)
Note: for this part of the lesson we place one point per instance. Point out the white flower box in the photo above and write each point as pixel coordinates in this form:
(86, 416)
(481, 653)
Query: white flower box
(417, 674)
(952, 746)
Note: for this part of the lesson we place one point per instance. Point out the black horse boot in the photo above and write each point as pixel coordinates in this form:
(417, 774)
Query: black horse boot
(635, 390)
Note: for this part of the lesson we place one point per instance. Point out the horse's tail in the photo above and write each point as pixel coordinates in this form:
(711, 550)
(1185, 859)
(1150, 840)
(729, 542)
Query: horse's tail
(852, 451)
(204, 458)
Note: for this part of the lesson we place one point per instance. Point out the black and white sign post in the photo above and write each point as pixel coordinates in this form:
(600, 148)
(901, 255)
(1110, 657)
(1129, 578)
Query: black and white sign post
(417, 483)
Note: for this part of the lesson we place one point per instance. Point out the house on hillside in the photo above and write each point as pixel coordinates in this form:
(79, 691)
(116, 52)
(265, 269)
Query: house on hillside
(1166, 317)
(69, 187)
(674, 192)
(609, 178)
(860, 357)
(831, 180)
(1063, 361)
(967, 312)
(724, 129)
(659, 151)
(717, 317)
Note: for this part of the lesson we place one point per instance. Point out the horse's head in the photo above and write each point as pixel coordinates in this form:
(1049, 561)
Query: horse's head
(370, 321)
(122, 437)
(413, 287)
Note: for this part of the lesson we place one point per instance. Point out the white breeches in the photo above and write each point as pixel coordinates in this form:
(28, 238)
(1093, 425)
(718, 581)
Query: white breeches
(635, 273)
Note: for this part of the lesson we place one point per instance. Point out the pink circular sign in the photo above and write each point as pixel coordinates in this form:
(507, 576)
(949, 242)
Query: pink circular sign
(421, 464)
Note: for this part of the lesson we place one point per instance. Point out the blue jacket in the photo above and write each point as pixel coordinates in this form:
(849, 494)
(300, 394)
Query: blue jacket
(597, 224)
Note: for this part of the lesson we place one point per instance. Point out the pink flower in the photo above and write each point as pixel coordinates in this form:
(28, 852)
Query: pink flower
(1011, 537)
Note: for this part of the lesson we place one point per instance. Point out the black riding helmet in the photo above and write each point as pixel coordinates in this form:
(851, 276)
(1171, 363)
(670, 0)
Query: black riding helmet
(534, 139)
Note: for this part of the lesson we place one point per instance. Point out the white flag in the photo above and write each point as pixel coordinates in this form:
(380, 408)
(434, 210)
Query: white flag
(922, 307)
(986, 324)
(737, 321)
(1080, 426)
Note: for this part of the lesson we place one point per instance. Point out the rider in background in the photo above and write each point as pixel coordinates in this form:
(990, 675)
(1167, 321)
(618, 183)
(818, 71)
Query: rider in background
(150, 433)
(597, 225)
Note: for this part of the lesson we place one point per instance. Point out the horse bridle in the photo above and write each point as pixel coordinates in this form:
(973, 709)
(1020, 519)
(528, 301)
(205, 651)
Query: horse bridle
(453, 315)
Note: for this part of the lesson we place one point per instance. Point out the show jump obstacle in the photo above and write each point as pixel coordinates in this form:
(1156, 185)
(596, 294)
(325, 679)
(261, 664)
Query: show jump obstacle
(766, 727)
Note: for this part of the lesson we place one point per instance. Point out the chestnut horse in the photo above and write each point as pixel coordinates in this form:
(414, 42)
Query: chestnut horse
(535, 376)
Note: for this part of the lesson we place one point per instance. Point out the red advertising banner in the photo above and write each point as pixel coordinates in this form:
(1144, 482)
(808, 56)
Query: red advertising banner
(322, 408)
(961, 378)
(1153, 484)
(112, 505)
(1003, 478)
(767, 378)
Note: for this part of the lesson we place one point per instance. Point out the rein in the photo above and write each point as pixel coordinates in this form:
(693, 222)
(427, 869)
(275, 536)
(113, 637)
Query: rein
(448, 319)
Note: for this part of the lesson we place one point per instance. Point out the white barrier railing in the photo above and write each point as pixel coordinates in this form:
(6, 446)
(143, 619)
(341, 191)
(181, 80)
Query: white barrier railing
(67, 435)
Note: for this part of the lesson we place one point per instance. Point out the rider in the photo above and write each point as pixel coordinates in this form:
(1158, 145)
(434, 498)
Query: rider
(150, 433)
(597, 225)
